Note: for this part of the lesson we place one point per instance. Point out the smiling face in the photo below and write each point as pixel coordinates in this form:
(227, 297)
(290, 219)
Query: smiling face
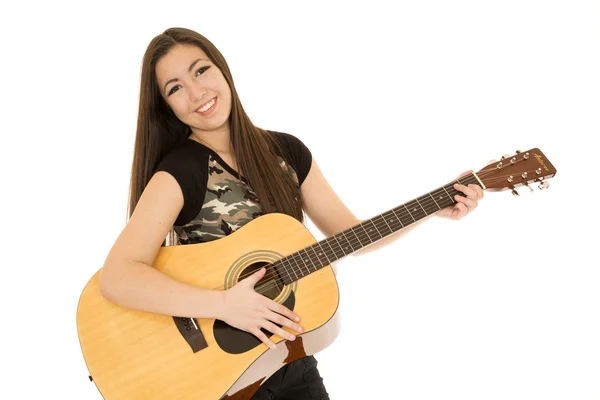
(195, 89)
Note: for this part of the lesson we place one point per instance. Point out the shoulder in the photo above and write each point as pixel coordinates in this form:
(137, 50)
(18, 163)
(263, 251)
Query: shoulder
(188, 164)
(188, 151)
(287, 139)
(295, 152)
(186, 161)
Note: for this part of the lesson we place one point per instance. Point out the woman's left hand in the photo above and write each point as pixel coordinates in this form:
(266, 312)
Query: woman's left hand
(465, 204)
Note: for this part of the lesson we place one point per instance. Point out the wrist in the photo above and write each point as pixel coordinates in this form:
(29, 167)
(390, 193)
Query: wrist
(209, 304)
(219, 304)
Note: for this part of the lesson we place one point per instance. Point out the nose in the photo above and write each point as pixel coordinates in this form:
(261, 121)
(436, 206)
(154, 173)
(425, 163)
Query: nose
(197, 93)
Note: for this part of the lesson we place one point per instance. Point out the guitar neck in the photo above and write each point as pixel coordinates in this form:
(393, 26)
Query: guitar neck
(326, 251)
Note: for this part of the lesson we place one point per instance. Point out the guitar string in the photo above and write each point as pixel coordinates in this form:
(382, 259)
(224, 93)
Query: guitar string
(271, 271)
(272, 283)
(271, 274)
(297, 259)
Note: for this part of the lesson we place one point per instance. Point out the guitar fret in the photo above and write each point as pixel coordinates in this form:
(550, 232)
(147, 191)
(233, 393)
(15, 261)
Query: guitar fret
(337, 238)
(290, 269)
(297, 257)
(308, 258)
(284, 269)
(451, 198)
(363, 233)
(375, 226)
(436, 203)
(369, 231)
(392, 221)
(293, 268)
(356, 236)
(305, 258)
(312, 248)
(302, 266)
(404, 216)
(442, 201)
(324, 253)
(362, 225)
(419, 203)
(338, 245)
(331, 257)
(416, 213)
(398, 219)
(414, 220)
(429, 207)
(388, 225)
(348, 241)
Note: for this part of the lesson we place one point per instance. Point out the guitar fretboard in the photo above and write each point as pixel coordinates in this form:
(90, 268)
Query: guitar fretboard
(326, 251)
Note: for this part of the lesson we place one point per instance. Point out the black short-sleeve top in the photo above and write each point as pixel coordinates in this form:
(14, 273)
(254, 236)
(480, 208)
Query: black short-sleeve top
(217, 201)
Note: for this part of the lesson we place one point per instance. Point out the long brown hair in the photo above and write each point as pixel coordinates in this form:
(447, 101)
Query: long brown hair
(159, 131)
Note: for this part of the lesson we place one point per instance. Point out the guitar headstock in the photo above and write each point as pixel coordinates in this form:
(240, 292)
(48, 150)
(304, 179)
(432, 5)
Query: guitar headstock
(522, 168)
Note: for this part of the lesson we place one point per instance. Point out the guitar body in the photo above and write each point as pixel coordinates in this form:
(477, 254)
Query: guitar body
(139, 355)
(136, 355)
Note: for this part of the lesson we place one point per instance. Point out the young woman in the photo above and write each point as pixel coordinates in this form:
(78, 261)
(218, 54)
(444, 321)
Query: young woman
(201, 170)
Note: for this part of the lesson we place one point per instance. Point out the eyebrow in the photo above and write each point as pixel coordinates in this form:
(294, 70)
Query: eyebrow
(189, 70)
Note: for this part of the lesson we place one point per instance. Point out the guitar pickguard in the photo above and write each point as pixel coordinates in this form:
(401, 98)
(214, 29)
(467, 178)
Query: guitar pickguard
(235, 341)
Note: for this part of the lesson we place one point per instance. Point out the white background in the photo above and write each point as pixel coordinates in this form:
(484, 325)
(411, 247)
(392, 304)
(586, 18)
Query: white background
(394, 99)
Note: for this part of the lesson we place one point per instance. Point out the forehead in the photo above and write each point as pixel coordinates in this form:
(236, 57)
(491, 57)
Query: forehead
(177, 61)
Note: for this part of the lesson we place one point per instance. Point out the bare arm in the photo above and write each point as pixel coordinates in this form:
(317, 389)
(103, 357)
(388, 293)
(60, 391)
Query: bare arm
(127, 277)
(327, 211)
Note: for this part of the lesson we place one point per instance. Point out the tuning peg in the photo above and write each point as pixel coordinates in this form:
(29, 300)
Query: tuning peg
(518, 151)
(492, 161)
(528, 187)
(514, 191)
(543, 185)
(505, 157)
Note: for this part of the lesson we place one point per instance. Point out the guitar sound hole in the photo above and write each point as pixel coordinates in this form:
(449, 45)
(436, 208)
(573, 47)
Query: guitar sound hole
(270, 285)
(236, 341)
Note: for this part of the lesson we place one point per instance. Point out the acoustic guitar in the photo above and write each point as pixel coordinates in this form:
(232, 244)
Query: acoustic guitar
(134, 355)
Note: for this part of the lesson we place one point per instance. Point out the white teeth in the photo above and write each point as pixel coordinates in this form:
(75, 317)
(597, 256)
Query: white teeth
(206, 107)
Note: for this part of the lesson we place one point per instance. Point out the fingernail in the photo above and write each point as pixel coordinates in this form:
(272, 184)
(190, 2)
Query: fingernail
(297, 318)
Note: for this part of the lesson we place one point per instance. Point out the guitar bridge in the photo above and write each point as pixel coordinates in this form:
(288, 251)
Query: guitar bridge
(190, 330)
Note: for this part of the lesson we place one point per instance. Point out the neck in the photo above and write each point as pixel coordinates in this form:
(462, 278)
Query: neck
(320, 254)
(217, 140)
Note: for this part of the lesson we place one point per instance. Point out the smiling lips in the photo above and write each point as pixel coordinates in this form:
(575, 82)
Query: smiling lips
(207, 107)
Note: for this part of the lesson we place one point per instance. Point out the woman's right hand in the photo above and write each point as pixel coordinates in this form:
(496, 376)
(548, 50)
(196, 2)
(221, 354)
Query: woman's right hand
(250, 311)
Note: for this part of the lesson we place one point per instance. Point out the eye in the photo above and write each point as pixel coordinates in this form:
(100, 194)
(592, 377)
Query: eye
(201, 69)
(173, 90)
(176, 86)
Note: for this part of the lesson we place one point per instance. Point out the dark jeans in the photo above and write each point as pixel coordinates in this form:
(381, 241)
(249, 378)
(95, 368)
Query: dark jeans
(298, 380)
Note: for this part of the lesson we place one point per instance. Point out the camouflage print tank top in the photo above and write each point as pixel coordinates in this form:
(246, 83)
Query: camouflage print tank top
(217, 201)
